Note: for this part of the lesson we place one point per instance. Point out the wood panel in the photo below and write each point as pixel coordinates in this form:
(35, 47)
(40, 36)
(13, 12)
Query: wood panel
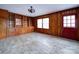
(60, 24)
(54, 24)
(30, 26)
(24, 24)
(2, 27)
(3, 22)
(77, 24)
(3, 13)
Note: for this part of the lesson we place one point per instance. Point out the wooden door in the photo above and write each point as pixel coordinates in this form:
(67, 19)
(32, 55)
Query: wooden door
(68, 30)
(2, 27)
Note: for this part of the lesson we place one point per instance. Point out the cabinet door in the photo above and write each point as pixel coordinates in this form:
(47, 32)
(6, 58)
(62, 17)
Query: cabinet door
(10, 28)
(2, 27)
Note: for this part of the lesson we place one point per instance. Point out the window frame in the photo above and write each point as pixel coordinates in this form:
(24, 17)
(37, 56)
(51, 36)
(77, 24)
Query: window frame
(70, 21)
(42, 23)
(45, 23)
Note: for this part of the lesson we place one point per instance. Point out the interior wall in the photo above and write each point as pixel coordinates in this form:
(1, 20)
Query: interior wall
(7, 29)
(56, 24)
(29, 24)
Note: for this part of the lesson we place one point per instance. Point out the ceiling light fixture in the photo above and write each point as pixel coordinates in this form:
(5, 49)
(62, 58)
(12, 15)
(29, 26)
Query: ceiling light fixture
(31, 10)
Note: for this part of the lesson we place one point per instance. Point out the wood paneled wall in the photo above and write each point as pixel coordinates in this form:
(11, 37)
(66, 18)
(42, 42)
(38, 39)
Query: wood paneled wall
(6, 29)
(3, 19)
(77, 24)
(29, 24)
(55, 23)
(59, 24)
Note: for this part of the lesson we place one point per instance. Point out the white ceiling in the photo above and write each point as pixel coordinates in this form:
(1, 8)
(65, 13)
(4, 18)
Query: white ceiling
(40, 9)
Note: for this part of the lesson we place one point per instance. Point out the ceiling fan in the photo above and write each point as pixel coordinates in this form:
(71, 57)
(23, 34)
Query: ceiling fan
(31, 10)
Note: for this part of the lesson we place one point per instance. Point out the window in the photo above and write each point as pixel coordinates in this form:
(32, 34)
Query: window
(43, 23)
(11, 24)
(18, 21)
(39, 23)
(69, 21)
(46, 23)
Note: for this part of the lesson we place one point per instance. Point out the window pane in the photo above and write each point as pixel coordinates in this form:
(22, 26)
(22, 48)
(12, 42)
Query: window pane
(11, 23)
(72, 25)
(46, 26)
(46, 23)
(73, 17)
(68, 17)
(64, 25)
(64, 17)
(64, 21)
(18, 21)
(39, 23)
(68, 25)
(45, 20)
(68, 20)
(73, 21)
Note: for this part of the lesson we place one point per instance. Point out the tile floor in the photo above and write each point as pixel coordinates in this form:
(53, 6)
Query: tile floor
(37, 43)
